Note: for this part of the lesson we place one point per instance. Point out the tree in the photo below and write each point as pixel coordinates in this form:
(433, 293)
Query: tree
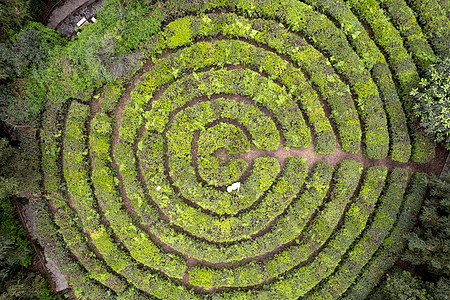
(433, 102)
(401, 285)
(16, 281)
(31, 47)
(429, 243)
(13, 13)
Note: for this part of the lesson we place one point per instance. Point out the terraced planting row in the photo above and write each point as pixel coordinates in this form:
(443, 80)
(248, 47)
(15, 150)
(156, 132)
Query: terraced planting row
(268, 96)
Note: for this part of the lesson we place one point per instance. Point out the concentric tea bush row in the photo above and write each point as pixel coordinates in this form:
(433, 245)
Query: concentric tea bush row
(374, 234)
(264, 172)
(346, 179)
(376, 120)
(264, 93)
(385, 257)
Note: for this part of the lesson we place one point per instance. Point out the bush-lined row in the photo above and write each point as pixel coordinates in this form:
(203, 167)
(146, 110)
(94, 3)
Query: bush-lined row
(75, 170)
(298, 282)
(366, 49)
(394, 244)
(239, 82)
(83, 283)
(262, 128)
(346, 180)
(330, 86)
(435, 22)
(233, 228)
(384, 218)
(151, 160)
(402, 16)
(107, 152)
(105, 188)
(76, 175)
(67, 224)
(288, 227)
(181, 170)
(319, 29)
(164, 288)
(423, 149)
(401, 62)
(76, 272)
(276, 68)
(221, 78)
(375, 62)
(283, 231)
(302, 18)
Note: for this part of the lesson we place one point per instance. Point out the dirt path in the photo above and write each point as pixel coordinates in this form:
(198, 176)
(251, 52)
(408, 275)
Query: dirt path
(432, 167)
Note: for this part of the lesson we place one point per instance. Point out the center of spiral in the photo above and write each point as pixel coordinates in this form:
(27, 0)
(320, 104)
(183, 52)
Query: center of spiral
(222, 155)
(217, 146)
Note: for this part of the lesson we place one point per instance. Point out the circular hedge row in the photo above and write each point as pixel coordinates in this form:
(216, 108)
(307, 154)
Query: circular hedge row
(264, 93)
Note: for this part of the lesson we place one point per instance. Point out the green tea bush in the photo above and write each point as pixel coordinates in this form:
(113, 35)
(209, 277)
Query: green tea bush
(401, 62)
(435, 22)
(374, 233)
(394, 244)
(300, 102)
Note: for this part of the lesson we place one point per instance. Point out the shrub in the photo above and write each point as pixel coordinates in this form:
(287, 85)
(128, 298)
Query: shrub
(31, 47)
(393, 245)
(401, 285)
(140, 214)
(429, 243)
(16, 281)
(433, 102)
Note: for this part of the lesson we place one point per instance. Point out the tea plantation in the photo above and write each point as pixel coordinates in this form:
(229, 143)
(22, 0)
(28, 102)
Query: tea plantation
(306, 103)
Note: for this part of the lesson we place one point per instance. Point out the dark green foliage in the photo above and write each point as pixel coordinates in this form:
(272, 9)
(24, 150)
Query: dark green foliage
(13, 13)
(18, 168)
(433, 102)
(128, 23)
(23, 61)
(429, 243)
(31, 47)
(17, 247)
(16, 281)
(8, 182)
(401, 285)
(102, 50)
